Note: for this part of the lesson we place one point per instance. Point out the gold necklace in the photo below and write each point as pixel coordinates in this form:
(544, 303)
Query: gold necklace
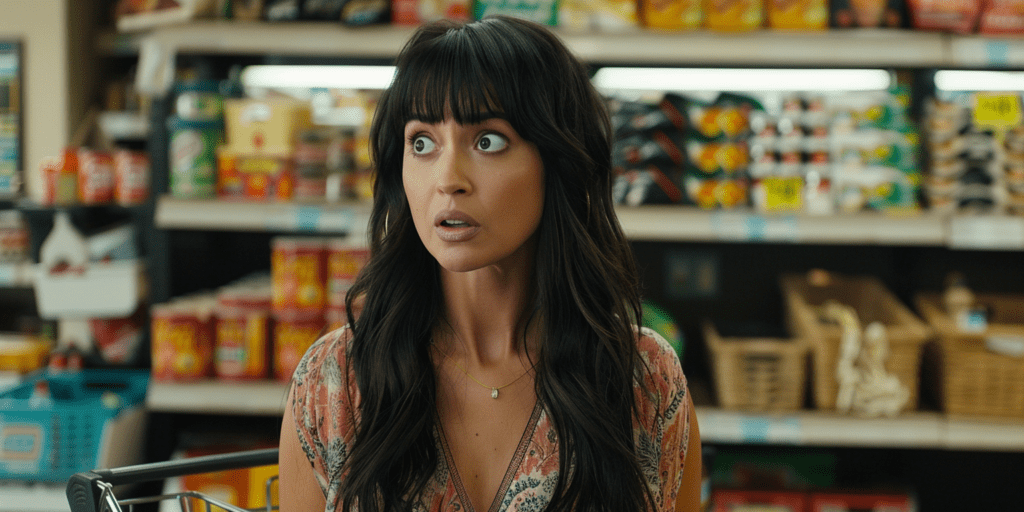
(494, 390)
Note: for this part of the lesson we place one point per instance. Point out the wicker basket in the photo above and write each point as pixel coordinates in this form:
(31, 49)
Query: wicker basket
(973, 380)
(757, 374)
(873, 303)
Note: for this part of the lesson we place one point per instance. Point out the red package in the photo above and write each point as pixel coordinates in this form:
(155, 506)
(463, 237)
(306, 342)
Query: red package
(1002, 17)
(960, 16)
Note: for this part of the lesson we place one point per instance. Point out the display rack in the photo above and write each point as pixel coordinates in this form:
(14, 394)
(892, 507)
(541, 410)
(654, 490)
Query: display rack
(344, 217)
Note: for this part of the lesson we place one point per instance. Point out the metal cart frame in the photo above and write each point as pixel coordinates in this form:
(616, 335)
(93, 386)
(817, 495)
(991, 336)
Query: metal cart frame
(93, 491)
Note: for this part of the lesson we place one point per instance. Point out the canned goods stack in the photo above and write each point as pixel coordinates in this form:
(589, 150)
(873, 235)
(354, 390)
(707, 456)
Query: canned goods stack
(310, 279)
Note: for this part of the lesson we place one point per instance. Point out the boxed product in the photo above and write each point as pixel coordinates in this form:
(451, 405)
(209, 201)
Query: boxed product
(267, 127)
(1002, 17)
(959, 16)
(544, 12)
(671, 14)
(597, 15)
(798, 15)
(254, 177)
(415, 12)
(867, 13)
(836, 501)
(726, 500)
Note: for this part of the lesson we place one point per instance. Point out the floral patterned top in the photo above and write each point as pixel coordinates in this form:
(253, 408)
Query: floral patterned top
(326, 401)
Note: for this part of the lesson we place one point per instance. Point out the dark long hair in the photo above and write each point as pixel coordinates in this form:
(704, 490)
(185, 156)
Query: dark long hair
(586, 296)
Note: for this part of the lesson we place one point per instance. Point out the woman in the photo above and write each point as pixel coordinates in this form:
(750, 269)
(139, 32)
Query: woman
(495, 364)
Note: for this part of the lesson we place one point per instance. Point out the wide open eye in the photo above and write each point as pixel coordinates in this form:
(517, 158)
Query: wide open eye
(422, 145)
(492, 143)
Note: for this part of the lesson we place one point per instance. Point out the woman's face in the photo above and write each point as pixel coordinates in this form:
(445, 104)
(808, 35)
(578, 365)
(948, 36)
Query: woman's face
(476, 191)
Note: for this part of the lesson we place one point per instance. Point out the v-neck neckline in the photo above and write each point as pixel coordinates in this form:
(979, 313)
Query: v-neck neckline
(513, 465)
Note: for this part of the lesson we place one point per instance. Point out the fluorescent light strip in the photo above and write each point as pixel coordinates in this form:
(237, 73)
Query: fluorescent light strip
(332, 77)
(954, 80)
(701, 79)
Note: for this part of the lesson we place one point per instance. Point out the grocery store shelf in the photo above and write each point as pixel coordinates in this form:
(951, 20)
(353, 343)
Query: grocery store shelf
(831, 48)
(350, 218)
(814, 428)
(674, 223)
(257, 398)
(16, 275)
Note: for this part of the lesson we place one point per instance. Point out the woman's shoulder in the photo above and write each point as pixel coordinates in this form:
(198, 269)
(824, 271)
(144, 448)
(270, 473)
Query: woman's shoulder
(656, 351)
(663, 373)
(325, 360)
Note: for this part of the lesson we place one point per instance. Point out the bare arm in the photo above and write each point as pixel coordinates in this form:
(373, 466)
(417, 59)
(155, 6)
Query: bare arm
(299, 490)
(689, 496)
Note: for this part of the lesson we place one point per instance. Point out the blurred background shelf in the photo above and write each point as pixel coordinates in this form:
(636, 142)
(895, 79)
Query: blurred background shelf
(349, 217)
(834, 48)
(258, 398)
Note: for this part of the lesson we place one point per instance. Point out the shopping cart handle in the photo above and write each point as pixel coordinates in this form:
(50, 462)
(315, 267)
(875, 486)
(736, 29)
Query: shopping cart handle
(84, 493)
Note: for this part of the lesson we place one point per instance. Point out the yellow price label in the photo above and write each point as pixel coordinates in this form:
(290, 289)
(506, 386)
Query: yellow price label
(997, 110)
(783, 193)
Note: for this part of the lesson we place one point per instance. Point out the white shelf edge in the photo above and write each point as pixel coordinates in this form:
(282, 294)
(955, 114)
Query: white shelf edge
(675, 223)
(33, 497)
(257, 398)
(815, 428)
(348, 218)
(856, 48)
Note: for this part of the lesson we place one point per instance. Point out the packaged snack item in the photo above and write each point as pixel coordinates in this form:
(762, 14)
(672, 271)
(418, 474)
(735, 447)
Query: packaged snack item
(1002, 17)
(712, 158)
(255, 177)
(712, 193)
(544, 12)
(733, 15)
(95, 177)
(345, 259)
(243, 333)
(650, 185)
(671, 14)
(867, 13)
(798, 14)
(131, 177)
(193, 159)
(415, 12)
(959, 16)
(597, 15)
(311, 166)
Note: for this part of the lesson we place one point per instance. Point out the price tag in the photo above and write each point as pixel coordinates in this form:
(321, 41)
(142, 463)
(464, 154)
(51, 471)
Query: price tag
(783, 194)
(787, 430)
(997, 110)
(307, 218)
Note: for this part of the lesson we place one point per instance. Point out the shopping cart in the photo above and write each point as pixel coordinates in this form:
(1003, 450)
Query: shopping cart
(93, 491)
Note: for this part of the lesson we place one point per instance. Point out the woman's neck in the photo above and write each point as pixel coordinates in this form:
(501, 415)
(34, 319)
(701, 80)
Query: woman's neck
(487, 312)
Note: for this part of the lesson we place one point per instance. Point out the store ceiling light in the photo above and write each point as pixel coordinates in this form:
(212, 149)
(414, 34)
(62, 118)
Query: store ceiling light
(329, 77)
(718, 79)
(955, 80)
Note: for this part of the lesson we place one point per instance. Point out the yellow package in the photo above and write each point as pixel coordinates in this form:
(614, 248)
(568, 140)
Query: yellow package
(798, 14)
(589, 15)
(21, 353)
(671, 14)
(733, 15)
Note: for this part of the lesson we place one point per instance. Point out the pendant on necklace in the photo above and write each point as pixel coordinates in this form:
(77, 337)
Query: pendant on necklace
(494, 392)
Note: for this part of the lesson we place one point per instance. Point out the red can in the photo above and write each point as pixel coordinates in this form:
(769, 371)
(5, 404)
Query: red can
(182, 340)
(294, 333)
(345, 259)
(298, 270)
(243, 335)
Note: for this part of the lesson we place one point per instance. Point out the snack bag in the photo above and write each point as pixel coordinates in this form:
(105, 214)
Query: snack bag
(671, 14)
(591, 15)
(798, 14)
(734, 15)
(958, 16)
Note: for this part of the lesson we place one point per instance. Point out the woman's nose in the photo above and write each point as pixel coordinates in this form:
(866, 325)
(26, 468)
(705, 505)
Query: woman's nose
(452, 177)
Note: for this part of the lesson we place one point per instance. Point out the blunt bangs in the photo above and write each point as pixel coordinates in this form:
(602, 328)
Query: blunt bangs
(468, 73)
